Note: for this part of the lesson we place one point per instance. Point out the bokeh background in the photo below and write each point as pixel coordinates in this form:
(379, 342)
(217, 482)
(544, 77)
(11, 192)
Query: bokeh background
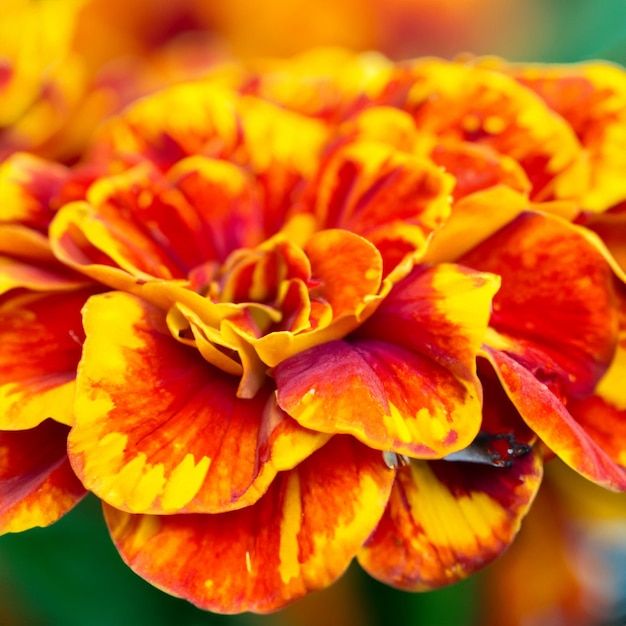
(568, 567)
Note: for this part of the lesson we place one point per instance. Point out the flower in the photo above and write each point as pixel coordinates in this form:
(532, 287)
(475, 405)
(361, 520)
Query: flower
(314, 328)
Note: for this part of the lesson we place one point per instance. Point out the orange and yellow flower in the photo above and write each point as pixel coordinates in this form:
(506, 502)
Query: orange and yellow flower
(293, 326)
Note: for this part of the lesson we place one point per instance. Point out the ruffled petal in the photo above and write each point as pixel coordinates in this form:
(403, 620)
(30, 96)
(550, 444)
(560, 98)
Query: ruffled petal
(547, 416)
(299, 537)
(41, 337)
(37, 485)
(476, 167)
(464, 103)
(383, 194)
(557, 305)
(446, 520)
(28, 185)
(159, 430)
(218, 123)
(26, 261)
(406, 381)
(592, 98)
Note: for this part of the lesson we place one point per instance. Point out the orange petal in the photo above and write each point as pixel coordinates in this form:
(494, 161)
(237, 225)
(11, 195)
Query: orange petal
(476, 167)
(28, 185)
(604, 423)
(592, 98)
(228, 209)
(37, 485)
(382, 194)
(299, 537)
(547, 416)
(474, 219)
(41, 337)
(556, 307)
(27, 261)
(159, 430)
(610, 226)
(465, 103)
(446, 520)
(406, 382)
(345, 288)
(218, 123)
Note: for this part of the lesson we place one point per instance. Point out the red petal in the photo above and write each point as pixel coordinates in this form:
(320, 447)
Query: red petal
(557, 300)
(548, 417)
(160, 430)
(37, 485)
(41, 337)
(382, 194)
(446, 520)
(299, 537)
(421, 399)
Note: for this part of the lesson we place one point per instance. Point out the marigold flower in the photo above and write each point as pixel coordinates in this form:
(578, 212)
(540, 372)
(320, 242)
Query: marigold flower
(313, 329)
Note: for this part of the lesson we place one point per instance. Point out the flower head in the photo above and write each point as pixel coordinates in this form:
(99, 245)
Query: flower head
(314, 330)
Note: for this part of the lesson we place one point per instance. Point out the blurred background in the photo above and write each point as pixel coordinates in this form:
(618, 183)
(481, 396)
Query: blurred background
(568, 567)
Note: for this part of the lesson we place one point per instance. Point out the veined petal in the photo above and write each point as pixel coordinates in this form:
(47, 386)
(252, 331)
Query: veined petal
(382, 194)
(41, 337)
(26, 261)
(387, 397)
(557, 304)
(218, 123)
(474, 219)
(299, 537)
(476, 167)
(592, 98)
(406, 381)
(547, 416)
(446, 520)
(27, 186)
(462, 102)
(440, 311)
(346, 288)
(159, 430)
(37, 485)
(227, 205)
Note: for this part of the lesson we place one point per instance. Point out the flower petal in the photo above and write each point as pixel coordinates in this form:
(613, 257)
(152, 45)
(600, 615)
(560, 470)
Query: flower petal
(382, 194)
(406, 382)
(159, 430)
(462, 102)
(592, 98)
(446, 520)
(26, 261)
(556, 307)
(300, 536)
(28, 184)
(476, 167)
(41, 337)
(37, 485)
(548, 417)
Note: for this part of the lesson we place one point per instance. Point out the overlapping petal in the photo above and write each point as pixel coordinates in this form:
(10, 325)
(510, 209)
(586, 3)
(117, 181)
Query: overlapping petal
(463, 103)
(394, 199)
(592, 98)
(41, 336)
(557, 303)
(37, 485)
(192, 446)
(446, 520)
(406, 381)
(265, 555)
